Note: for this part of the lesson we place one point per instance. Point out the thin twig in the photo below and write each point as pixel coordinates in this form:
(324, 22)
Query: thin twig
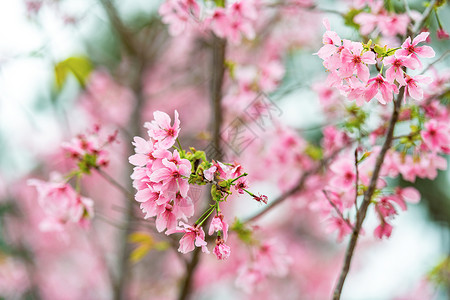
(407, 9)
(406, 135)
(361, 215)
(425, 15)
(337, 210)
(368, 196)
(436, 61)
(356, 181)
(323, 163)
(113, 182)
(134, 53)
(217, 77)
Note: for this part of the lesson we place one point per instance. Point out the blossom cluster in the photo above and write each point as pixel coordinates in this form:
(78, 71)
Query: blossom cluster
(88, 150)
(388, 23)
(232, 21)
(61, 203)
(162, 179)
(348, 65)
(414, 154)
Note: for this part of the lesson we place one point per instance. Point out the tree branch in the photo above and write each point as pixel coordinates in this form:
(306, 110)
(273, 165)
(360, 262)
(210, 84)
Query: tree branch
(323, 163)
(116, 184)
(217, 75)
(368, 195)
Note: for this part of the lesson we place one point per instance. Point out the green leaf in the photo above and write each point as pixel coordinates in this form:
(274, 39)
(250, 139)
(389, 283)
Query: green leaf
(244, 233)
(348, 18)
(220, 3)
(161, 246)
(365, 155)
(314, 152)
(145, 244)
(80, 67)
(140, 237)
(140, 252)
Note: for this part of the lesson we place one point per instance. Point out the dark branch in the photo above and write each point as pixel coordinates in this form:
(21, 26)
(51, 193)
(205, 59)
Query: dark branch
(368, 195)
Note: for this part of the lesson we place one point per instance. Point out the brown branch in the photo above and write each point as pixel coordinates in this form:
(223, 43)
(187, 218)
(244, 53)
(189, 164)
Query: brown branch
(116, 184)
(425, 15)
(217, 76)
(323, 163)
(356, 181)
(443, 55)
(361, 213)
(368, 196)
(412, 134)
(138, 63)
(123, 32)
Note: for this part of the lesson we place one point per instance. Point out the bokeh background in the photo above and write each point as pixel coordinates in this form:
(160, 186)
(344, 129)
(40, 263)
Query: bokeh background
(37, 114)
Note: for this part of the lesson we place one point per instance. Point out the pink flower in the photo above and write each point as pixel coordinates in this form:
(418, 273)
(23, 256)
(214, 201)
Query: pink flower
(345, 176)
(356, 60)
(331, 41)
(244, 9)
(161, 130)
(367, 22)
(272, 258)
(249, 277)
(339, 225)
(385, 207)
(217, 223)
(166, 219)
(393, 24)
(209, 174)
(173, 177)
(61, 204)
(409, 48)
(381, 89)
(412, 88)
(436, 135)
(395, 72)
(408, 194)
(442, 34)
(150, 198)
(143, 151)
(384, 229)
(178, 14)
(241, 184)
(194, 236)
(261, 198)
(221, 251)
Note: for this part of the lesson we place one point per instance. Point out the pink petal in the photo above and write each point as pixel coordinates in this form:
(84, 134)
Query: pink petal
(162, 119)
(370, 92)
(411, 195)
(415, 91)
(425, 51)
(139, 160)
(420, 38)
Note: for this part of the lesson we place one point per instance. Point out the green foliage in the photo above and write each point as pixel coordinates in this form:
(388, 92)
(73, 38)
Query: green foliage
(348, 18)
(244, 233)
(314, 152)
(80, 67)
(220, 3)
(88, 162)
(144, 243)
(440, 274)
(356, 120)
(365, 156)
(384, 51)
(231, 66)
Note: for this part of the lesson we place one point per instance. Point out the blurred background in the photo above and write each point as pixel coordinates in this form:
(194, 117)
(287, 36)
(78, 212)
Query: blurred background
(65, 63)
